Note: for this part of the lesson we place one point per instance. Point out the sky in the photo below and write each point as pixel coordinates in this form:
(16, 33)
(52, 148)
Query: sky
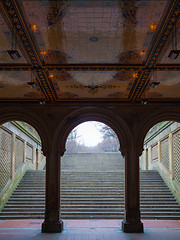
(88, 133)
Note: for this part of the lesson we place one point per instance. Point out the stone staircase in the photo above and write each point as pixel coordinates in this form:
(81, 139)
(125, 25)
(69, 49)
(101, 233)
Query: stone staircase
(91, 194)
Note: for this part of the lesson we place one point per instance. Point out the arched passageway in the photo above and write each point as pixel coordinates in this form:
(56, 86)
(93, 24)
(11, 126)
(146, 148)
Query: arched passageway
(92, 174)
(20, 150)
(132, 212)
(54, 123)
(160, 159)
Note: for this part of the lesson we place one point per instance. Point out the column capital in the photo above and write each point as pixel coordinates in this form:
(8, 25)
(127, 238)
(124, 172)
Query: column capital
(57, 151)
(139, 151)
(133, 146)
(123, 151)
(60, 152)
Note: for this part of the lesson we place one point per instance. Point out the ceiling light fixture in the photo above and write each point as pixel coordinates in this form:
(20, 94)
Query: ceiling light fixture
(174, 53)
(144, 101)
(51, 75)
(153, 26)
(13, 53)
(32, 84)
(154, 84)
(93, 39)
(43, 52)
(135, 75)
(42, 102)
(142, 53)
(33, 27)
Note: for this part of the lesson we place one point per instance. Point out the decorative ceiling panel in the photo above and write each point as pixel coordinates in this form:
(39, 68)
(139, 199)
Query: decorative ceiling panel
(93, 31)
(89, 50)
(94, 85)
(13, 85)
(8, 41)
(169, 86)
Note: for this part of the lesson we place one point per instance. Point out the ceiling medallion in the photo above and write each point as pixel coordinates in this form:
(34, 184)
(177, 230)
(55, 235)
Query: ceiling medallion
(93, 39)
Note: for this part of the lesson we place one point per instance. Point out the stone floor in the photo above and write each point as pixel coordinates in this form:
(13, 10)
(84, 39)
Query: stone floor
(89, 230)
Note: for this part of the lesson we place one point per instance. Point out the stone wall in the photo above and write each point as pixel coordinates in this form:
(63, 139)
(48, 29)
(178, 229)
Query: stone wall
(18, 151)
(162, 152)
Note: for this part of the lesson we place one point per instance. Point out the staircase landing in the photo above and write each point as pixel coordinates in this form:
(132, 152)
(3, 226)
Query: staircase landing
(89, 229)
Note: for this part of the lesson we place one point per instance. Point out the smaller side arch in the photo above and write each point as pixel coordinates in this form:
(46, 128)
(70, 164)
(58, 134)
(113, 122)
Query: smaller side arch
(91, 114)
(152, 120)
(19, 114)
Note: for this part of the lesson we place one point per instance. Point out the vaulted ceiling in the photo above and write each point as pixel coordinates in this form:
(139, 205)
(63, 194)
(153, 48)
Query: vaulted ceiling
(103, 50)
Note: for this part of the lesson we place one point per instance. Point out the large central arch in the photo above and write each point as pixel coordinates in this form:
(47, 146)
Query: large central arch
(79, 116)
(131, 222)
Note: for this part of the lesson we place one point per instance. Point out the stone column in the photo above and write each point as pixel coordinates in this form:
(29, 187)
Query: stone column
(132, 222)
(146, 159)
(150, 157)
(52, 223)
(13, 156)
(38, 155)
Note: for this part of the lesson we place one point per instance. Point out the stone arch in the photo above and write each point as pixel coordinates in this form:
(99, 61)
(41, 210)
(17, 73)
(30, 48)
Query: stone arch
(152, 120)
(91, 114)
(19, 114)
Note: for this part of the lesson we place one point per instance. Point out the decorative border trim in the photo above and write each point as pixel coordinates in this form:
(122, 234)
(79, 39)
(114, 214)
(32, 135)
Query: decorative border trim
(89, 67)
(17, 23)
(169, 25)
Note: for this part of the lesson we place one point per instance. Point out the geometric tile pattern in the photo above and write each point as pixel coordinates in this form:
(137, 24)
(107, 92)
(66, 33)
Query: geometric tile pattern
(89, 50)
(155, 153)
(165, 153)
(29, 153)
(5, 157)
(176, 155)
(19, 153)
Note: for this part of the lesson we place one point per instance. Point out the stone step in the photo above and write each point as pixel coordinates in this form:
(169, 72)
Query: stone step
(87, 205)
(90, 191)
(92, 209)
(87, 201)
(119, 217)
(89, 186)
(82, 198)
(91, 195)
(93, 192)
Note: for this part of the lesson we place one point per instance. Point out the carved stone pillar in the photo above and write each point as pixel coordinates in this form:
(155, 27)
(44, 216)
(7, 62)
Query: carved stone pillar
(52, 223)
(132, 221)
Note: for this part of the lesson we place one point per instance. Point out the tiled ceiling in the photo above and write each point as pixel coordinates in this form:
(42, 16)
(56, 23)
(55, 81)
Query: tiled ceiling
(89, 50)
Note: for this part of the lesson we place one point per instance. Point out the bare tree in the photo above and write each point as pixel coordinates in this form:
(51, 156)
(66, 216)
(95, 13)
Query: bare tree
(107, 131)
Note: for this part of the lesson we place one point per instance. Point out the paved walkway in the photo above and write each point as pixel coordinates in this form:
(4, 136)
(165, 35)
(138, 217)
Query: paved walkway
(89, 230)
